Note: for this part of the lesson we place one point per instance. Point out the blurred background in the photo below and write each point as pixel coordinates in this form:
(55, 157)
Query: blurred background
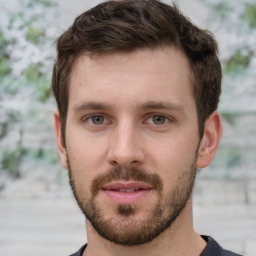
(37, 212)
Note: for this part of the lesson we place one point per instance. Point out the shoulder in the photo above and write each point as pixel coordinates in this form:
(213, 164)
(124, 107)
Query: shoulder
(80, 252)
(214, 249)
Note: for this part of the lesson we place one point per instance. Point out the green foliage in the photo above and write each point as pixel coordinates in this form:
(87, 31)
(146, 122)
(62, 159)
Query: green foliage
(46, 156)
(230, 117)
(11, 160)
(5, 63)
(11, 86)
(12, 117)
(32, 73)
(34, 34)
(3, 129)
(237, 64)
(28, 33)
(26, 53)
(233, 17)
(250, 15)
(229, 157)
(44, 3)
(234, 157)
(3, 43)
(5, 66)
(222, 9)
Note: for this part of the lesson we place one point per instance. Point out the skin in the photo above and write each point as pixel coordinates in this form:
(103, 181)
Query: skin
(130, 91)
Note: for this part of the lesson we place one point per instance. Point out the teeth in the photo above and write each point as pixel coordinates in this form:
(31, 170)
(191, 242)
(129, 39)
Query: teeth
(128, 190)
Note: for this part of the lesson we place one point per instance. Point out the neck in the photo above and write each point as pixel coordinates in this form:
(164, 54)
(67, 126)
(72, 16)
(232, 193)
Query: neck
(179, 239)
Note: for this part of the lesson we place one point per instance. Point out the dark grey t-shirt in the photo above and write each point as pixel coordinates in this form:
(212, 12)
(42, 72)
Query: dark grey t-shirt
(212, 249)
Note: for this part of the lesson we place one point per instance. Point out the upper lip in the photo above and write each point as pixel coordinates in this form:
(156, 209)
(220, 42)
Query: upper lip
(126, 185)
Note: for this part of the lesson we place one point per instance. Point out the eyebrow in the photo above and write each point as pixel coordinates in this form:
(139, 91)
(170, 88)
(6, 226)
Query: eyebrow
(93, 105)
(162, 105)
(90, 105)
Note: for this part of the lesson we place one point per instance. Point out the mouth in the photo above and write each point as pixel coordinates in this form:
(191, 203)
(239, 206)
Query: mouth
(126, 192)
(129, 190)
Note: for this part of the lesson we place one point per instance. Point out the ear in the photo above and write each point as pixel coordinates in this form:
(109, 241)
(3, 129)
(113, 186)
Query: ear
(210, 141)
(59, 139)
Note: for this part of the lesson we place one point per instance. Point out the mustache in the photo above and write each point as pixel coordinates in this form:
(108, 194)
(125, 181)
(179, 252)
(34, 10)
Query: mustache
(129, 174)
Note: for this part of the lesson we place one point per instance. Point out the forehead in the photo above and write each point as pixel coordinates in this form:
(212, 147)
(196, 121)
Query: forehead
(163, 57)
(156, 73)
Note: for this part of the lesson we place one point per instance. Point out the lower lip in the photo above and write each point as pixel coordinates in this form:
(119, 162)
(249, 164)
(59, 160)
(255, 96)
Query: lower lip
(126, 197)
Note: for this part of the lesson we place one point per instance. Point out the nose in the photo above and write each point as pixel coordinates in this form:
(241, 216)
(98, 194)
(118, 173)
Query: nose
(126, 147)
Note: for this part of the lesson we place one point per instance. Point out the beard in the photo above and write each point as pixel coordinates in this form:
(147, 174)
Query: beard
(126, 228)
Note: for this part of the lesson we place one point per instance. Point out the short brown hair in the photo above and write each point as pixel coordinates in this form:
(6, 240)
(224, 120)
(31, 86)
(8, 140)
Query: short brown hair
(126, 25)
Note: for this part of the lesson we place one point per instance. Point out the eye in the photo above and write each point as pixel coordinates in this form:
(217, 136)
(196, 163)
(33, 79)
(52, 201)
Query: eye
(97, 120)
(158, 120)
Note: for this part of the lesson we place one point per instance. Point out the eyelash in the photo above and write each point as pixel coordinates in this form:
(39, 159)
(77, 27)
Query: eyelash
(88, 119)
(94, 116)
(166, 119)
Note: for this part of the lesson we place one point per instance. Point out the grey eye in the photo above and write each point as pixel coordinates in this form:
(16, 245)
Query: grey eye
(158, 119)
(97, 120)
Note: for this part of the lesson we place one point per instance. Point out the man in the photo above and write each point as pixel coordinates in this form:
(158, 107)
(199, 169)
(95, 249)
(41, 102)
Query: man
(137, 88)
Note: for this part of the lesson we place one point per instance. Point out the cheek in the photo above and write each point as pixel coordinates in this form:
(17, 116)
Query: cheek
(86, 155)
(83, 146)
(173, 150)
(172, 157)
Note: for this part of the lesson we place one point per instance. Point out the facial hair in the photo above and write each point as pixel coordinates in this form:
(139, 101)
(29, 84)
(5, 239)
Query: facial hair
(125, 229)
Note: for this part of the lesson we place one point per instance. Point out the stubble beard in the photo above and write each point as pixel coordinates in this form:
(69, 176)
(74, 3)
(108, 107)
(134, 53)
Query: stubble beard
(125, 229)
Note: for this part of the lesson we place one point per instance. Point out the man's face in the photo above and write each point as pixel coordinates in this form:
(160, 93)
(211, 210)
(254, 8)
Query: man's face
(132, 141)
